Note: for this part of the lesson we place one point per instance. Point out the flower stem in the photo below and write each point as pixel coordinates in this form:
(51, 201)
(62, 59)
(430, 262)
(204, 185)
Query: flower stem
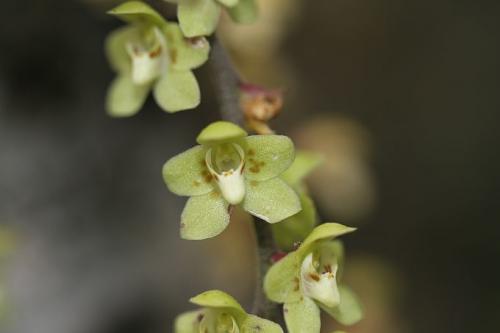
(226, 84)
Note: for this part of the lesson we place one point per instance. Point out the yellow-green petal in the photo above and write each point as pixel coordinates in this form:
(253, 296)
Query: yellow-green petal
(220, 300)
(324, 231)
(228, 3)
(296, 228)
(254, 324)
(304, 163)
(116, 50)
(281, 283)
(246, 11)
(137, 12)
(219, 132)
(204, 216)
(198, 17)
(271, 200)
(186, 173)
(125, 98)
(185, 53)
(177, 91)
(302, 316)
(188, 322)
(268, 156)
(349, 312)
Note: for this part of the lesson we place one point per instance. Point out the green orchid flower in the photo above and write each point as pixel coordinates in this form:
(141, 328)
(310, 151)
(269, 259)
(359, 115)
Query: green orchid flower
(221, 313)
(306, 280)
(152, 54)
(296, 228)
(200, 17)
(230, 168)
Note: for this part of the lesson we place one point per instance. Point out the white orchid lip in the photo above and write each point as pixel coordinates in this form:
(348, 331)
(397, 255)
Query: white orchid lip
(320, 286)
(231, 182)
(147, 63)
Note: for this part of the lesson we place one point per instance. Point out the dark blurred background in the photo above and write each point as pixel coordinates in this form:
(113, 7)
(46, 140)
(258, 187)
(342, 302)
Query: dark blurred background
(401, 97)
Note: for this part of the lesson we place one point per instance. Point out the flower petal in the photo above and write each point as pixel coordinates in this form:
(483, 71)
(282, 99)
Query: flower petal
(320, 286)
(302, 316)
(304, 163)
(296, 228)
(245, 11)
(323, 231)
(349, 312)
(256, 324)
(228, 3)
(137, 12)
(204, 216)
(220, 300)
(125, 98)
(272, 200)
(219, 132)
(267, 156)
(185, 53)
(186, 173)
(177, 91)
(198, 17)
(188, 322)
(115, 47)
(281, 283)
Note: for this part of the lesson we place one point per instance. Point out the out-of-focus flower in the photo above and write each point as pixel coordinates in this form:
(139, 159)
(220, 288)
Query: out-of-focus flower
(151, 54)
(200, 17)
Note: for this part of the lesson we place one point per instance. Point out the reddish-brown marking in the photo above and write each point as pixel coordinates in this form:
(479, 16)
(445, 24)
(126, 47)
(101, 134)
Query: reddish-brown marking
(196, 183)
(208, 178)
(173, 55)
(315, 277)
(251, 152)
(155, 53)
(254, 169)
(328, 268)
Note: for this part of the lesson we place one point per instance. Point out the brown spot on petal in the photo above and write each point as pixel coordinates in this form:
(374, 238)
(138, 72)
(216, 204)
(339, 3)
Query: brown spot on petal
(155, 53)
(254, 183)
(173, 56)
(215, 194)
(196, 183)
(208, 178)
(315, 277)
(251, 152)
(255, 169)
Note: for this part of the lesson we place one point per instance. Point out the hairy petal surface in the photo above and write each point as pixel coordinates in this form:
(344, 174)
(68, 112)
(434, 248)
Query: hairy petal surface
(204, 216)
(302, 316)
(125, 98)
(281, 283)
(267, 156)
(272, 200)
(186, 174)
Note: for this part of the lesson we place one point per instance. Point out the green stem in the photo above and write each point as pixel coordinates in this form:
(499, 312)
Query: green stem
(226, 83)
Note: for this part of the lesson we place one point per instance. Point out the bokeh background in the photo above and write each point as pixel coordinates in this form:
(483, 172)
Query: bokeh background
(400, 96)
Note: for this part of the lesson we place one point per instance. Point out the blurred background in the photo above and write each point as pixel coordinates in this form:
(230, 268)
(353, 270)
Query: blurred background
(401, 98)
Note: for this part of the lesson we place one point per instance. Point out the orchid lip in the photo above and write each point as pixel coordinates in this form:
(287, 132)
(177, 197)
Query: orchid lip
(231, 182)
(320, 286)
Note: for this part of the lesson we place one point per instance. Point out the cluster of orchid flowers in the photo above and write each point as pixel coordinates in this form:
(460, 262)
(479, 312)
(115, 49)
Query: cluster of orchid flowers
(228, 168)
